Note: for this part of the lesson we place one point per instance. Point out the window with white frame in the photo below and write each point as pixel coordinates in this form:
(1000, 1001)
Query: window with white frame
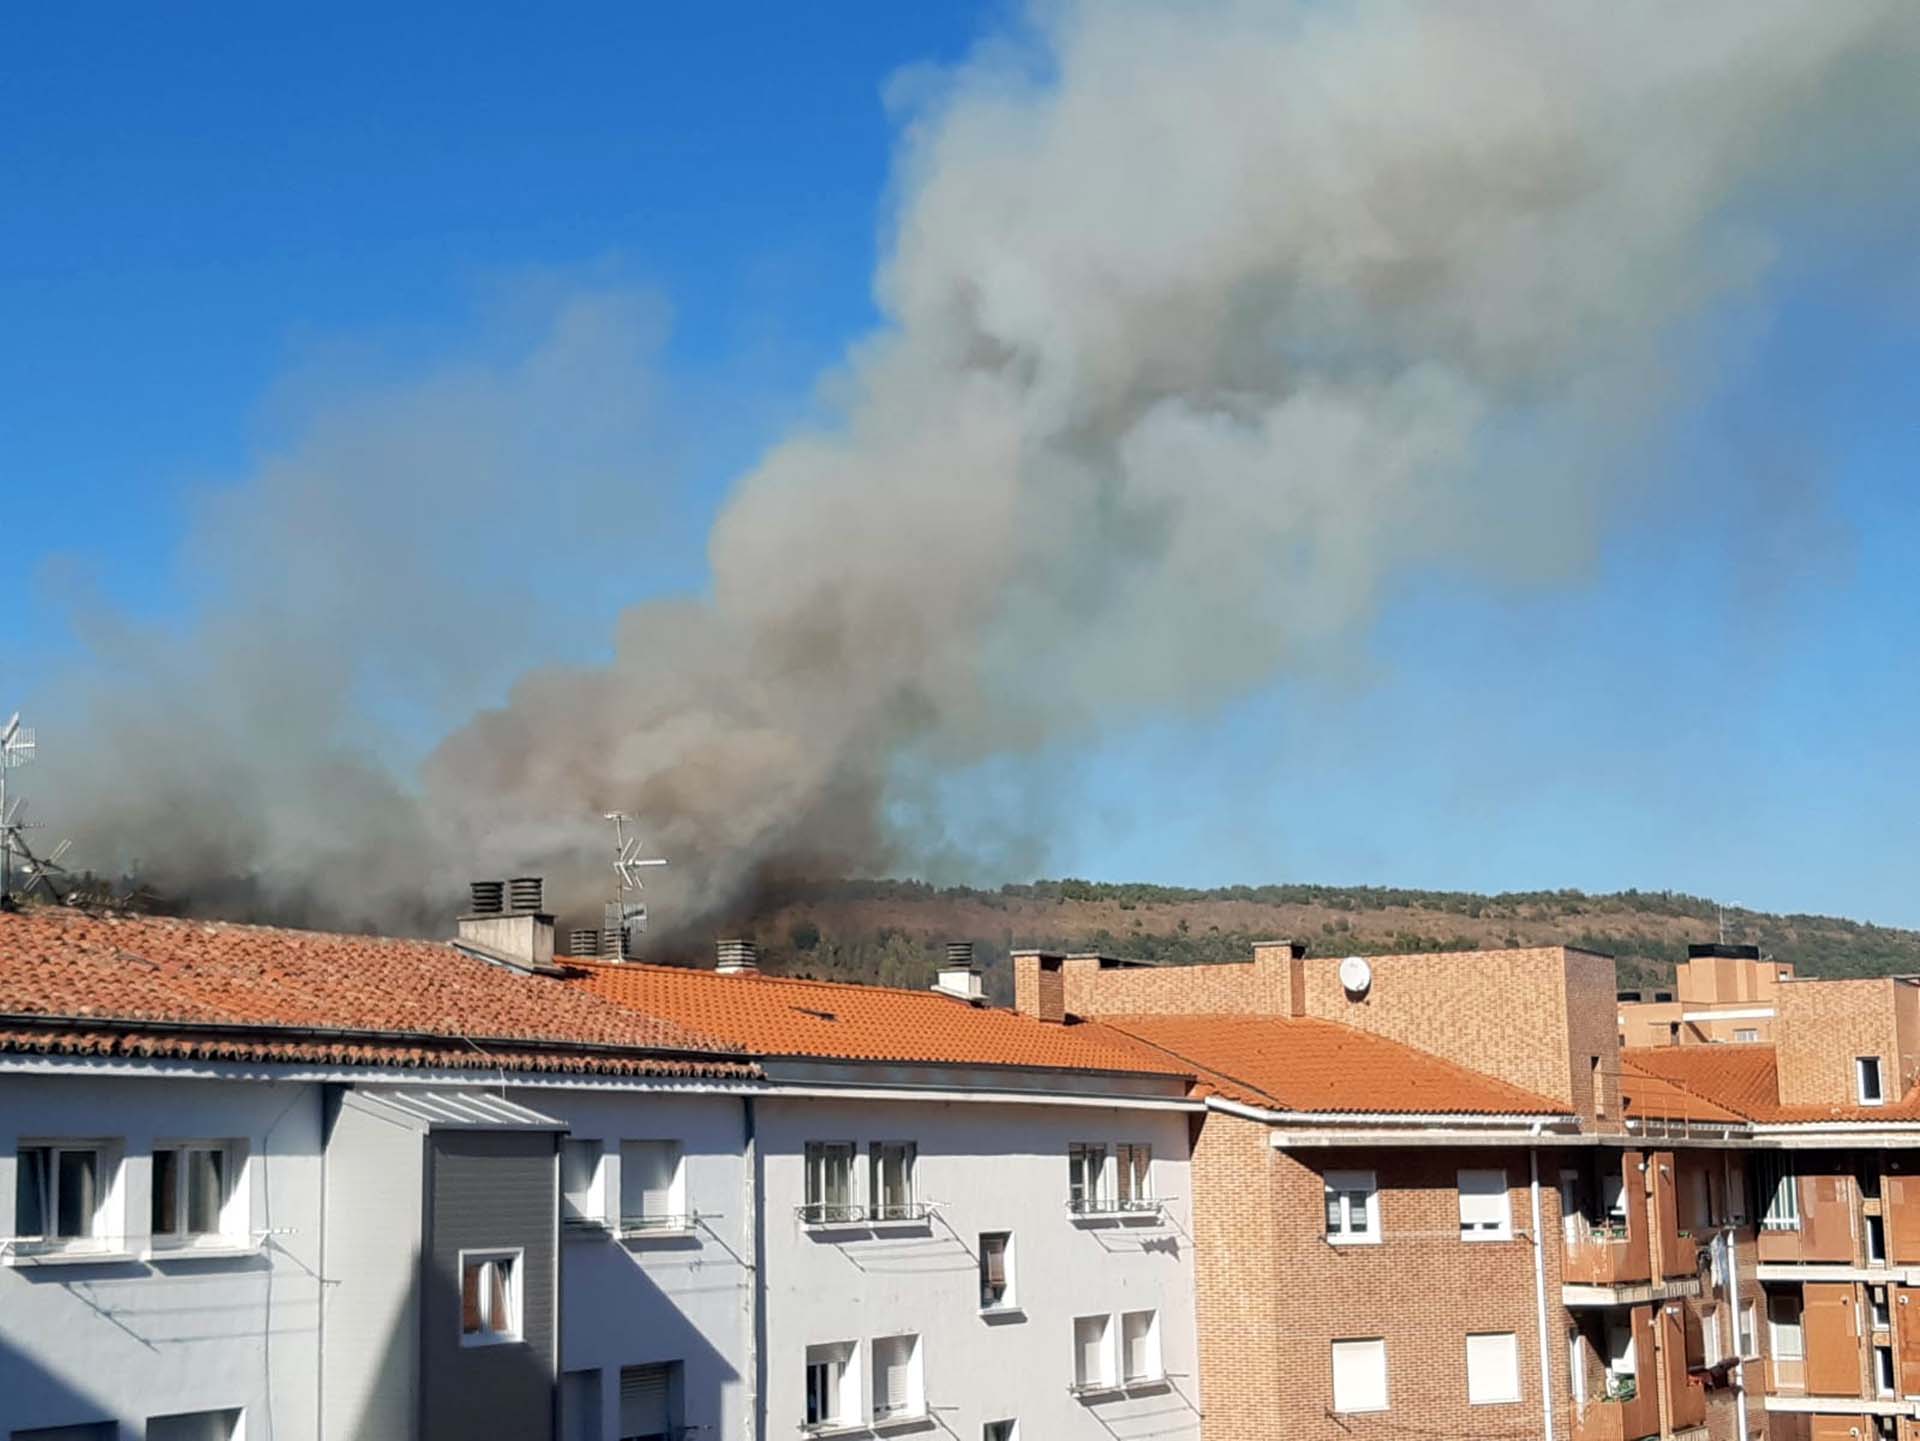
(829, 1182)
(890, 1181)
(897, 1389)
(831, 1381)
(1092, 1352)
(1088, 1188)
(996, 1271)
(1000, 1431)
(60, 1191)
(652, 1189)
(1353, 1206)
(1140, 1347)
(195, 1195)
(1746, 1033)
(489, 1297)
(1493, 1368)
(1749, 1332)
(1883, 1371)
(195, 1426)
(1784, 1339)
(581, 1199)
(1133, 1168)
(1866, 1076)
(1360, 1375)
(1878, 1309)
(1486, 1212)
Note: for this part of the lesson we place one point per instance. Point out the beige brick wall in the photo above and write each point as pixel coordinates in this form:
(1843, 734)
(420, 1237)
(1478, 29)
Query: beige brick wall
(1822, 1026)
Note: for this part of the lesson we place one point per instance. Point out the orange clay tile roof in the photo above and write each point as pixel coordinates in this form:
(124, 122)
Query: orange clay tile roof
(1742, 1077)
(1302, 1064)
(828, 1020)
(1648, 1097)
(72, 983)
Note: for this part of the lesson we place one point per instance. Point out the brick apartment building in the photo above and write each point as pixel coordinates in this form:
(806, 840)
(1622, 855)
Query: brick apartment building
(1435, 1196)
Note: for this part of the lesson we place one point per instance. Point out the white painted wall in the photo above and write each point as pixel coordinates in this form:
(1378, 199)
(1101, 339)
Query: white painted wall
(687, 1299)
(127, 1340)
(993, 1167)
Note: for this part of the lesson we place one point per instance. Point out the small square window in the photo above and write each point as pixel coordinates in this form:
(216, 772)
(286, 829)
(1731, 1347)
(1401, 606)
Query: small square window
(1866, 1072)
(1140, 1347)
(1746, 1033)
(896, 1378)
(1486, 1212)
(830, 1385)
(996, 1271)
(1493, 1368)
(1360, 1375)
(60, 1194)
(1353, 1207)
(195, 1193)
(652, 1190)
(1000, 1431)
(1092, 1353)
(489, 1297)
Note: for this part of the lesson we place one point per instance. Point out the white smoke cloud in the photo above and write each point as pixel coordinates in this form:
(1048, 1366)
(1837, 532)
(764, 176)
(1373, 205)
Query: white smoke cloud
(1203, 323)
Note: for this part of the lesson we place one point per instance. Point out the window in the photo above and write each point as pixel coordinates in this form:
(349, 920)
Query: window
(1736, 1193)
(1877, 1304)
(1782, 1191)
(1000, 1431)
(59, 1192)
(1486, 1213)
(489, 1297)
(830, 1382)
(1746, 1033)
(1876, 1241)
(1353, 1206)
(830, 1182)
(1493, 1368)
(1883, 1370)
(890, 1181)
(580, 1406)
(1092, 1359)
(1360, 1375)
(1749, 1332)
(1577, 1366)
(195, 1185)
(1134, 1168)
(996, 1271)
(195, 1426)
(650, 1187)
(1140, 1347)
(896, 1377)
(1087, 1189)
(648, 1402)
(92, 1431)
(580, 1203)
(1783, 1326)
(1866, 1075)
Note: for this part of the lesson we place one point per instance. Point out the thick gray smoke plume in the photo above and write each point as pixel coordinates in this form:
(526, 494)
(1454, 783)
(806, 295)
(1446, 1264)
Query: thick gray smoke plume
(1204, 323)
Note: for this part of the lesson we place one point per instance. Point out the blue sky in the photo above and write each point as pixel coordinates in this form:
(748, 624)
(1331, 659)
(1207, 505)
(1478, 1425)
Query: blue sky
(208, 208)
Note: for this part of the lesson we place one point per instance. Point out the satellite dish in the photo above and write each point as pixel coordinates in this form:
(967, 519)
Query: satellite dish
(1355, 976)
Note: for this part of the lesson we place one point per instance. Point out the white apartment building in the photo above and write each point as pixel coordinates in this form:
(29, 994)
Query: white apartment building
(285, 1187)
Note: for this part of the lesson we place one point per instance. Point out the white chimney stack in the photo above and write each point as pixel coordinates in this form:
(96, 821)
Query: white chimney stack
(508, 923)
(959, 976)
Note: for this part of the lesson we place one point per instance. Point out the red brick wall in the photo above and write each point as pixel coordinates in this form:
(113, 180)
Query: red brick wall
(1821, 1026)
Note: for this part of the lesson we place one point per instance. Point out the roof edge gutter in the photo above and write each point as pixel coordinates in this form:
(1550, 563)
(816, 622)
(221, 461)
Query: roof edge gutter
(1520, 1122)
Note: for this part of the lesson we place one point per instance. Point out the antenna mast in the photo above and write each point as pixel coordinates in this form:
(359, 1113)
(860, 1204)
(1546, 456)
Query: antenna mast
(16, 750)
(624, 916)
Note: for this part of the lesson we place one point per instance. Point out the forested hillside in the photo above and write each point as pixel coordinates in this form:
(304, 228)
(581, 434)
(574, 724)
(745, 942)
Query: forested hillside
(892, 932)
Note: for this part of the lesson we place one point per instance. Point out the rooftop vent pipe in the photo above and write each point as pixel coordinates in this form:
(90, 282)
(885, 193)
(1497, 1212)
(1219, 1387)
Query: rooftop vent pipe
(738, 958)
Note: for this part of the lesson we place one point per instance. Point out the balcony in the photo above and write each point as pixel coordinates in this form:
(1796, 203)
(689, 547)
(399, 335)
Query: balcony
(1624, 1413)
(1611, 1252)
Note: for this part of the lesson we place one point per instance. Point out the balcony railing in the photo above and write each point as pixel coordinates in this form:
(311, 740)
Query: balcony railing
(654, 1224)
(830, 1213)
(1113, 1206)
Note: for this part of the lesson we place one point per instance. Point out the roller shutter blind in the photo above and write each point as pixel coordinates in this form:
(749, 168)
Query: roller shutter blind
(643, 1402)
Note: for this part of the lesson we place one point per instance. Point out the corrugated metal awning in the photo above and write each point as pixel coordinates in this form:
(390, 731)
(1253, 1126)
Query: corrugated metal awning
(439, 1108)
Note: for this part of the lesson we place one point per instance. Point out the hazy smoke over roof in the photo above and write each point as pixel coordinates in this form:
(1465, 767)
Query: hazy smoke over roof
(1203, 322)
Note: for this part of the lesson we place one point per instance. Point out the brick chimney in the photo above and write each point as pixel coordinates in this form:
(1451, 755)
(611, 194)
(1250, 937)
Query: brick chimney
(1040, 985)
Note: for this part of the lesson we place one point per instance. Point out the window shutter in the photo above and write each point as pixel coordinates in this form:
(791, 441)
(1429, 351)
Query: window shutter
(470, 1299)
(1484, 1207)
(643, 1401)
(896, 1376)
(1493, 1368)
(996, 1254)
(1360, 1375)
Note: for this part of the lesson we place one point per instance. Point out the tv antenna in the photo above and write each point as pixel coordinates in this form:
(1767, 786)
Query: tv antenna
(16, 750)
(624, 915)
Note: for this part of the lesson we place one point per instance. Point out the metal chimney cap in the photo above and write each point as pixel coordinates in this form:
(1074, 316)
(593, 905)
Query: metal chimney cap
(736, 957)
(489, 897)
(526, 894)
